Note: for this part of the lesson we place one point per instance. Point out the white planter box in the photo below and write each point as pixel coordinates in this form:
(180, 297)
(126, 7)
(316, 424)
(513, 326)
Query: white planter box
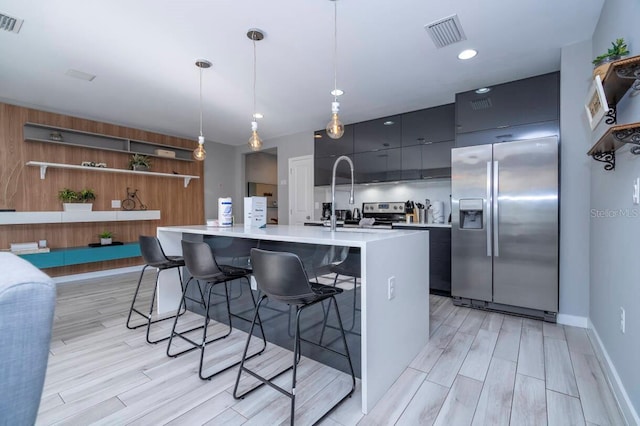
(77, 207)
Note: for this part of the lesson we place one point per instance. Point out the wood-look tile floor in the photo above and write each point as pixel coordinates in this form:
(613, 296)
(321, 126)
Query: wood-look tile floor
(478, 368)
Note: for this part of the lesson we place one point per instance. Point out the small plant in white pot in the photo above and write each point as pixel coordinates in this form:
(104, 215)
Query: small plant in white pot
(76, 200)
(139, 162)
(106, 238)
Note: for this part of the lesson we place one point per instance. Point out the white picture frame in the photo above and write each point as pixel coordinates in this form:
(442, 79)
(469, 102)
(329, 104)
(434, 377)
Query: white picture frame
(596, 105)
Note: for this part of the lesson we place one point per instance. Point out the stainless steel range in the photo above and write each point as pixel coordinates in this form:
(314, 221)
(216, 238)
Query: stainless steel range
(385, 213)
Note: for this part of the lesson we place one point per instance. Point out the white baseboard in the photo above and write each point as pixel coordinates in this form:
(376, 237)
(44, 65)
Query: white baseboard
(97, 274)
(573, 320)
(629, 412)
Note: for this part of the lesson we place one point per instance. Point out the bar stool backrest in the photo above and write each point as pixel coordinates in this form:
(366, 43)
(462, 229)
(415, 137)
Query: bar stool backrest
(199, 259)
(152, 252)
(281, 276)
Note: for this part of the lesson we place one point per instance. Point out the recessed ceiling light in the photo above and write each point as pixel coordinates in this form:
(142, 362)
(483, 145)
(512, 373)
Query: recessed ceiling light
(482, 90)
(467, 54)
(317, 136)
(337, 92)
(258, 115)
(389, 123)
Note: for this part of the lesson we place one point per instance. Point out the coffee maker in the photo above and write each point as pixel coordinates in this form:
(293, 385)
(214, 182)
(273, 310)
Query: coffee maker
(326, 211)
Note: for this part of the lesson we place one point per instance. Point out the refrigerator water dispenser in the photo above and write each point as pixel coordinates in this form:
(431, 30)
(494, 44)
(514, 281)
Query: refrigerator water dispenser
(471, 211)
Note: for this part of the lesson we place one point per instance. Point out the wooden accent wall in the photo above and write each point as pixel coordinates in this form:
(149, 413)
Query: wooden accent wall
(22, 189)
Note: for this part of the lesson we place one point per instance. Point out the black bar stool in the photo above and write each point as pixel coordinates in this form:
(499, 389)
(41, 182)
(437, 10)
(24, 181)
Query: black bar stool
(281, 276)
(200, 262)
(154, 257)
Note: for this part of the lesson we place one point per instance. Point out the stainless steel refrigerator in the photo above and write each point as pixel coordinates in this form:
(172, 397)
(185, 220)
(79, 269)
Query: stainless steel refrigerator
(504, 227)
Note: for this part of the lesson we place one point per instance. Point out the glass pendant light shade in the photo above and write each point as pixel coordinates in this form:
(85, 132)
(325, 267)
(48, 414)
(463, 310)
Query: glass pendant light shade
(199, 153)
(335, 128)
(255, 143)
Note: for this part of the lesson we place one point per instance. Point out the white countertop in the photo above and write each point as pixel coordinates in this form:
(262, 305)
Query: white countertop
(422, 225)
(349, 237)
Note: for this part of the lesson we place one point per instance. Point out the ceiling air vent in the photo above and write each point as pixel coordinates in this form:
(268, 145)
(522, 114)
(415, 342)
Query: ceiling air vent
(478, 104)
(446, 31)
(9, 23)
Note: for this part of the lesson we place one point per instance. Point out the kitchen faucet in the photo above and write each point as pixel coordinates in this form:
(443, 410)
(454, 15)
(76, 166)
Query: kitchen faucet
(333, 188)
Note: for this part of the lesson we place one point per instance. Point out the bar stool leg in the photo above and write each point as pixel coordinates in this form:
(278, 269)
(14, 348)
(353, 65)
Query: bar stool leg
(133, 302)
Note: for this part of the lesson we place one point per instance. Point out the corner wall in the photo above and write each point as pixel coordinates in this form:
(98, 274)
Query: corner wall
(615, 237)
(575, 175)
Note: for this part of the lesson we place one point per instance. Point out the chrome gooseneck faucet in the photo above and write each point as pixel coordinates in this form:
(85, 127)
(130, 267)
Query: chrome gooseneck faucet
(333, 188)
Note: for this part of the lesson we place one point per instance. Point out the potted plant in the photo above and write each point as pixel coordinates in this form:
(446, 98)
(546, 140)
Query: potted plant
(602, 62)
(139, 162)
(106, 238)
(76, 200)
(86, 195)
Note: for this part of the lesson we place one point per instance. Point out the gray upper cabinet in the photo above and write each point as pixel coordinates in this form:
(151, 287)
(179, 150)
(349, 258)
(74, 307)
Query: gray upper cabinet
(324, 146)
(531, 100)
(430, 160)
(428, 125)
(323, 169)
(512, 133)
(374, 135)
(377, 166)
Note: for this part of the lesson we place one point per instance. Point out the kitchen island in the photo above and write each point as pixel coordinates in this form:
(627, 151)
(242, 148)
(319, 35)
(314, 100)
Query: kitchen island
(394, 322)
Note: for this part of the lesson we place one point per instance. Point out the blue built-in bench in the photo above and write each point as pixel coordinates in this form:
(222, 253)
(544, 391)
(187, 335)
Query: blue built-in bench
(78, 255)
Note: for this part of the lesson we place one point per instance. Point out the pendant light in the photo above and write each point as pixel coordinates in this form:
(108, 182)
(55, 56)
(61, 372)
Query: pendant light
(255, 143)
(335, 128)
(199, 153)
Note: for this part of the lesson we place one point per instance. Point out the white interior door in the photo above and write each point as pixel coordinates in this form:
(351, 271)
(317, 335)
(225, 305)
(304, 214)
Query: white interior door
(300, 189)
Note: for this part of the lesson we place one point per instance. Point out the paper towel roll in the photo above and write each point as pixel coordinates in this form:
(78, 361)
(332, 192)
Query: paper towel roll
(437, 207)
(225, 212)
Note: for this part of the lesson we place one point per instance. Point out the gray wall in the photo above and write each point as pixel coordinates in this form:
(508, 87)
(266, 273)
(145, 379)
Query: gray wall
(575, 174)
(289, 146)
(219, 176)
(261, 167)
(615, 277)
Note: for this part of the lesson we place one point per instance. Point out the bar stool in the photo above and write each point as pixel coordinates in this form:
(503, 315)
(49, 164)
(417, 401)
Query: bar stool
(154, 257)
(200, 262)
(281, 276)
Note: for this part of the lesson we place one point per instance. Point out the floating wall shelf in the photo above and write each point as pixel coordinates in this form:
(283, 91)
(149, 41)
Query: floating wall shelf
(27, 218)
(40, 133)
(43, 170)
(617, 136)
(621, 75)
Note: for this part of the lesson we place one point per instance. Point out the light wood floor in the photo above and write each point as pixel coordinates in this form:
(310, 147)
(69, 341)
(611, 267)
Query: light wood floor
(478, 368)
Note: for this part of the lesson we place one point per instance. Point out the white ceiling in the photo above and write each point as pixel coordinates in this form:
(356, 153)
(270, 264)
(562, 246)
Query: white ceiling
(143, 55)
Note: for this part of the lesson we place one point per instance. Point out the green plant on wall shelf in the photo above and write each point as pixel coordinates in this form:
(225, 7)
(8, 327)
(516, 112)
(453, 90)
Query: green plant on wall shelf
(618, 49)
(139, 162)
(67, 195)
(106, 234)
(86, 195)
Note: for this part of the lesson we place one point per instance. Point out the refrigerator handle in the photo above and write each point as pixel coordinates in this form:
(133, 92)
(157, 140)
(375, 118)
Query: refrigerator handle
(496, 246)
(486, 215)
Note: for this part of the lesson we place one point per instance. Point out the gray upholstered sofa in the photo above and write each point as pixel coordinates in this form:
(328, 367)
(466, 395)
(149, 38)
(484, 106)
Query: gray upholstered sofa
(27, 302)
